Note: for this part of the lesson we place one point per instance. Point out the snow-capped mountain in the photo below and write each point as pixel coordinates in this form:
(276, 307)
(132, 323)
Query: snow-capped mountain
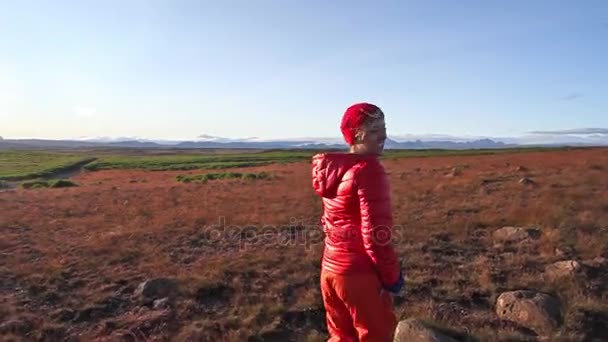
(580, 137)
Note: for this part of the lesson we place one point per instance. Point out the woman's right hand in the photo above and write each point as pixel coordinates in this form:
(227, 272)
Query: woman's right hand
(398, 286)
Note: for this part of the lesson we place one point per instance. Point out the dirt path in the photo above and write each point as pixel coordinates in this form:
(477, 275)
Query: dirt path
(8, 186)
(67, 173)
(71, 171)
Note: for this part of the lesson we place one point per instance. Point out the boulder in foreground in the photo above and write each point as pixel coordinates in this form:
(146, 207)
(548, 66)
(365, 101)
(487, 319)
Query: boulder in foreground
(539, 312)
(413, 330)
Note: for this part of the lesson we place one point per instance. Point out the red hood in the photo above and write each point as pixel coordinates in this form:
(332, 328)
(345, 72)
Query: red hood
(329, 168)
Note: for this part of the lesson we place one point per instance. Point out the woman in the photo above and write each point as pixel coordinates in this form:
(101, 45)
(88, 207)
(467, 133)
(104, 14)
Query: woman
(359, 266)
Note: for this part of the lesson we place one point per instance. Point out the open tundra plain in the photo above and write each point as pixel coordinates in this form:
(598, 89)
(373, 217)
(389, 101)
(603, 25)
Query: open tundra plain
(226, 245)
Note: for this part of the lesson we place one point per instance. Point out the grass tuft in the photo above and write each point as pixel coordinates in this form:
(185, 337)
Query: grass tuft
(53, 183)
(222, 175)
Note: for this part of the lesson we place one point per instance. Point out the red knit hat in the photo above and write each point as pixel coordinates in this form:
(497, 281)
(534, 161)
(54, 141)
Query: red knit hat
(355, 116)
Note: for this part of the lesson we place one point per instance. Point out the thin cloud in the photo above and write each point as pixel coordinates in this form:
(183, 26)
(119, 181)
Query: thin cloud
(570, 97)
(603, 131)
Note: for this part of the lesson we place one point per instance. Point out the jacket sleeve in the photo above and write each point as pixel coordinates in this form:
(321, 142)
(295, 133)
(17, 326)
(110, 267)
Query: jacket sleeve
(377, 220)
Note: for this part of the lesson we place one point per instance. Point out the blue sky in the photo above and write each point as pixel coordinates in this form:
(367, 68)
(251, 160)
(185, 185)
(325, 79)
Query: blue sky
(176, 69)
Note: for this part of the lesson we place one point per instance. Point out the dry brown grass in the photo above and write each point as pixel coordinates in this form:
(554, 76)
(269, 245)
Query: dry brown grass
(69, 253)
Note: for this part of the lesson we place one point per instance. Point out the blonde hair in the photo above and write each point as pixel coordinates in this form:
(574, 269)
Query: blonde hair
(371, 121)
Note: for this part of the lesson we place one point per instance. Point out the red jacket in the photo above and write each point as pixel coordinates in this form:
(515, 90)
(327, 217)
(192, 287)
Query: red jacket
(357, 217)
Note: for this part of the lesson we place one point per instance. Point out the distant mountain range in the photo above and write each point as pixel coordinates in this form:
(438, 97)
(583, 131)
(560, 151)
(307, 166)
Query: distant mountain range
(396, 142)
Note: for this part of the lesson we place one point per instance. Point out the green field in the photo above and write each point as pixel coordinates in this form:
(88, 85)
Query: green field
(20, 165)
(391, 154)
(196, 161)
(190, 161)
(23, 165)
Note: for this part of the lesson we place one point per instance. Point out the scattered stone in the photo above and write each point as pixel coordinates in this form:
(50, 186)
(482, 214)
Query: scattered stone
(521, 169)
(156, 288)
(514, 234)
(526, 181)
(161, 303)
(537, 311)
(454, 172)
(562, 269)
(413, 330)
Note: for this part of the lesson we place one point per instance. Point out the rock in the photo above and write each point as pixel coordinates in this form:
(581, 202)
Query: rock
(412, 330)
(156, 288)
(513, 234)
(161, 303)
(454, 172)
(15, 326)
(537, 311)
(526, 181)
(562, 269)
(521, 169)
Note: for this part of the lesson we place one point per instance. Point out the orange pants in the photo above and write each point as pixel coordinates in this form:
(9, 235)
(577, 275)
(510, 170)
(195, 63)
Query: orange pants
(357, 308)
